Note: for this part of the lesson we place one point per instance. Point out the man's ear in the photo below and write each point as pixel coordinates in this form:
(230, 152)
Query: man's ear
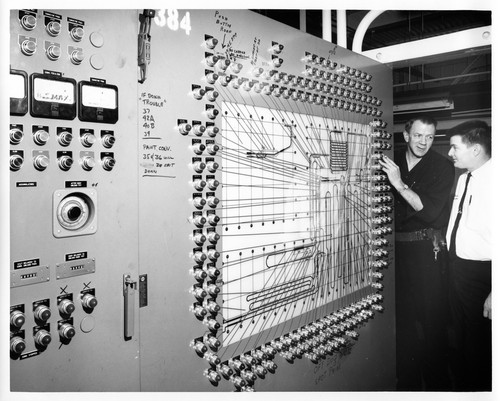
(406, 135)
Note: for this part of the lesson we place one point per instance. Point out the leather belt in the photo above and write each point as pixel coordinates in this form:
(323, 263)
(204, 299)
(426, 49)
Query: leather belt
(419, 235)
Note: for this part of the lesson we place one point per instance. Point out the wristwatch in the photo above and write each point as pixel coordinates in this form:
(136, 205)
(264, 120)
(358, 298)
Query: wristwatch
(405, 187)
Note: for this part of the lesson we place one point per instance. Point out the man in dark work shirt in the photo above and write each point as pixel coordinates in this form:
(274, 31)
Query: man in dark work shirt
(422, 180)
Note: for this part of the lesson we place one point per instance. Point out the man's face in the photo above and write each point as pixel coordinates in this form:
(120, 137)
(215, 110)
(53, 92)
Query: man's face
(420, 138)
(461, 153)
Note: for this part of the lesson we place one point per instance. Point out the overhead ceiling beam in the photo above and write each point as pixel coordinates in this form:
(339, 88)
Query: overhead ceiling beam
(452, 42)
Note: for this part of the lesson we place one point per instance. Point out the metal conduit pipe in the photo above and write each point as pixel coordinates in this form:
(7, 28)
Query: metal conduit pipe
(327, 25)
(363, 26)
(342, 28)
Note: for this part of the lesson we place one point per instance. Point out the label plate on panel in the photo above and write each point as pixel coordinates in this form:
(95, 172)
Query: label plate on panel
(29, 275)
(75, 268)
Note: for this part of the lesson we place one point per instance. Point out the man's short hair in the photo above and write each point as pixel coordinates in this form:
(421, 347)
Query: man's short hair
(473, 132)
(428, 120)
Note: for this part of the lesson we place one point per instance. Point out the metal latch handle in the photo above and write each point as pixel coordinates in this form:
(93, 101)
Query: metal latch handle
(129, 289)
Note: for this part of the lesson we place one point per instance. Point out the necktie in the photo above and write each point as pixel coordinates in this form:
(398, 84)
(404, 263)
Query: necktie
(457, 220)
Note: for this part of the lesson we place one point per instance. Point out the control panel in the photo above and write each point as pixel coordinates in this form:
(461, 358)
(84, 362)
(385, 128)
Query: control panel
(72, 134)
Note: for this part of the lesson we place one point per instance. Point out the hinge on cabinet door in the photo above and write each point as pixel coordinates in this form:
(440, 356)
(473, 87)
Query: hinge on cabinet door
(144, 56)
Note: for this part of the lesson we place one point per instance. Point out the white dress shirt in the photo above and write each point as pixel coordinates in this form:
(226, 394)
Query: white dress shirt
(474, 239)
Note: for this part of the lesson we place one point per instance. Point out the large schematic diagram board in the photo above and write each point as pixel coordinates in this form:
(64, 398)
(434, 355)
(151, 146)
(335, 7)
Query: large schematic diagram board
(296, 231)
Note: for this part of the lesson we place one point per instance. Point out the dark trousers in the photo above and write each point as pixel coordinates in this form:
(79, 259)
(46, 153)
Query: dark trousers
(470, 285)
(421, 318)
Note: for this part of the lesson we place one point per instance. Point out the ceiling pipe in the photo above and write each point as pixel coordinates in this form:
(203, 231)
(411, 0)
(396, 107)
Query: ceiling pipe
(342, 28)
(302, 21)
(327, 25)
(363, 26)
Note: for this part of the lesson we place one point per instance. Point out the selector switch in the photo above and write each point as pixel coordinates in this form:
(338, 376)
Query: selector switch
(53, 28)
(87, 139)
(77, 56)
(16, 162)
(199, 184)
(199, 221)
(213, 201)
(65, 162)
(108, 140)
(77, 33)
(89, 301)
(212, 131)
(17, 345)
(40, 137)
(17, 318)
(212, 148)
(212, 166)
(67, 331)
(28, 22)
(213, 219)
(53, 52)
(213, 184)
(41, 162)
(184, 128)
(42, 338)
(16, 136)
(88, 163)
(42, 313)
(108, 162)
(65, 138)
(66, 307)
(198, 148)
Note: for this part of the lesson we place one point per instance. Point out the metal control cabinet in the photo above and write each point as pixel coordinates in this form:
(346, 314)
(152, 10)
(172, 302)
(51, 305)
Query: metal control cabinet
(223, 224)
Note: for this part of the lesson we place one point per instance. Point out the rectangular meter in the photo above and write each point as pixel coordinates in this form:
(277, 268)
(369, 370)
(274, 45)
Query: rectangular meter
(18, 92)
(98, 102)
(53, 96)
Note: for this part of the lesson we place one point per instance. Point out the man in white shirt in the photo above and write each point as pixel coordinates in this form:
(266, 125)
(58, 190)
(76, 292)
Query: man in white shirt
(470, 244)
